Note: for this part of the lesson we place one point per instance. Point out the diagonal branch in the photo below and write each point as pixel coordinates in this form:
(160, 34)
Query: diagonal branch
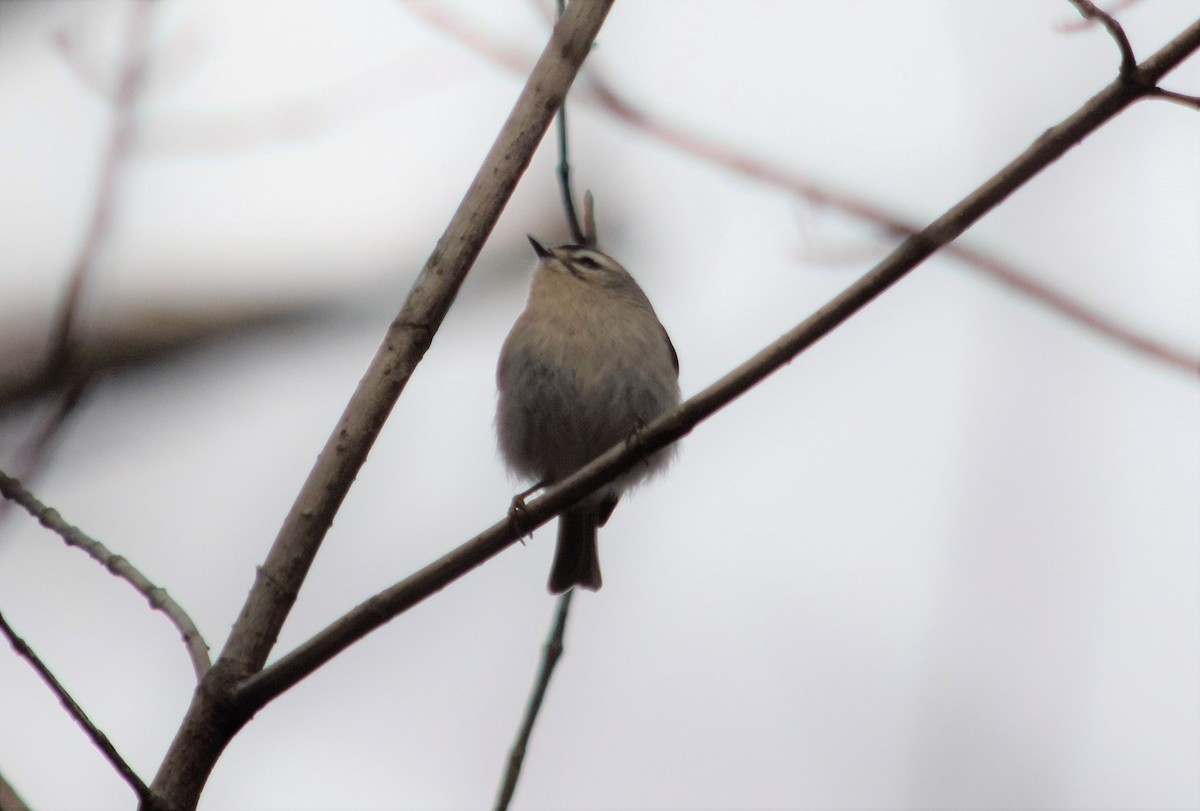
(211, 721)
(98, 738)
(256, 691)
(552, 651)
(14, 491)
(751, 166)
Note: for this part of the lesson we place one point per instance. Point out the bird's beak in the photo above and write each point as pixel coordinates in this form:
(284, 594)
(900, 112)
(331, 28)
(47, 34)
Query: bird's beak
(541, 250)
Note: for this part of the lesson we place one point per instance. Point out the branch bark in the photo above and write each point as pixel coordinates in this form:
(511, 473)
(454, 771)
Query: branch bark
(213, 718)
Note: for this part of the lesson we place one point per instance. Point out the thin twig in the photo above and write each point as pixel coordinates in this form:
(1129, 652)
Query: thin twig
(1115, 8)
(564, 179)
(159, 600)
(564, 165)
(211, 720)
(1090, 11)
(1177, 98)
(550, 654)
(715, 151)
(256, 691)
(32, 457)
(98, 738)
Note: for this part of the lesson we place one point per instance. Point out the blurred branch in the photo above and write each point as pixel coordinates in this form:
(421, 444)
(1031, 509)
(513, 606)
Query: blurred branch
(140, 335)
(120, 143)
(711, 150)
(212, 719)
(257, 690)
(75, 711)
(59, 371)
(159, 600)
(552, 651)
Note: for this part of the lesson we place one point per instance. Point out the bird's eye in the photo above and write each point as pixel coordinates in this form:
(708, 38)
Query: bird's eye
(588, 262)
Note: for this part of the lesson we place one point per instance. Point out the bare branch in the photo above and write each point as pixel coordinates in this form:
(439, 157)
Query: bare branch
(159, 600)
(256, 691)
(715, 151)
(120, 143)
(550, 654)
(1090, 11)
(98, 738)
(211, 721)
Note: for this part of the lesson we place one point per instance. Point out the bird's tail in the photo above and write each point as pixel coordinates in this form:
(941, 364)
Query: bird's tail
(576, 558)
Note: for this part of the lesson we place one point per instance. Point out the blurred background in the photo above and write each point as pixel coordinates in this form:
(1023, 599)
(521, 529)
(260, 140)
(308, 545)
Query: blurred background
(948, 558)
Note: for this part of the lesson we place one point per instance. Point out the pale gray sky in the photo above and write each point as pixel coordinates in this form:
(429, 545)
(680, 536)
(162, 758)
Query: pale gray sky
(950, 557)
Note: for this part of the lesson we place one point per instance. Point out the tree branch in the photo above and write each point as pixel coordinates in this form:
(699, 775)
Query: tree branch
(75, 711)
(118, 566)
(716, 152)
(256, 691)
(552, 651)
(212, 720)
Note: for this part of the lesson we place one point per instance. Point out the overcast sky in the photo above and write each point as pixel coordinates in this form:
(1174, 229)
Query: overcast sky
(949, 557)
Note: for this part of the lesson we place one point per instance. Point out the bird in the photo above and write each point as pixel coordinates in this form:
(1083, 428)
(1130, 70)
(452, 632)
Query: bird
(585, 365)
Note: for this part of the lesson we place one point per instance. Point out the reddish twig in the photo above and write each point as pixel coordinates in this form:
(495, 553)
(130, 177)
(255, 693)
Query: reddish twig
(755, 168)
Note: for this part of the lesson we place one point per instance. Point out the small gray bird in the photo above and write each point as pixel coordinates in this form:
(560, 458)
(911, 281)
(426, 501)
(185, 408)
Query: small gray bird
(585, 365)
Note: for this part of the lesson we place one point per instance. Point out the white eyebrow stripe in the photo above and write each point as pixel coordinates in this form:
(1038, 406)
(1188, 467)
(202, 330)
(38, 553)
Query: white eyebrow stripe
(580, 254)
